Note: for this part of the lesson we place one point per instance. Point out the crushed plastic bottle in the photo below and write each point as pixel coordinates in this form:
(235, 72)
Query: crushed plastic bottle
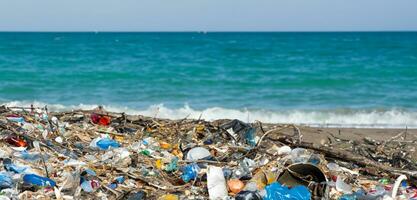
(334, 167)
(300, 155)
(34, 179)
(245, 169)
(341, 186)
(190, 172)
(276, 191)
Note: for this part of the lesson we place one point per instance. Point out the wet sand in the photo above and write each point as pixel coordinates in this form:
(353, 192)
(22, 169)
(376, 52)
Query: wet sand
(320, 135)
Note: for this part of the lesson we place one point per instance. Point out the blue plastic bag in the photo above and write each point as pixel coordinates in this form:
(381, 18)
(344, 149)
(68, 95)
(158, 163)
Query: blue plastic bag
(31, 157)
(14, 168)
(276, 191)
(5, 181)
(106, 143)
(190, 172)
(34, 179)
(348, 197)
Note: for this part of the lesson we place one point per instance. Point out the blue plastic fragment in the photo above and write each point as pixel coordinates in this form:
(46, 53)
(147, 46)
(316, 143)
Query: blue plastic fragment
(276, 191)
(190, 172)
(250, 137)
(34, 179)
(106, 143)
(5, 181)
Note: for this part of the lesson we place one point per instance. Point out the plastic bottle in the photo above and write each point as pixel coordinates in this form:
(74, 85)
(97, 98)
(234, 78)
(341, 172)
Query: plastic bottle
(300, 155)
(333, 167)
(34, 179)
(245, 169)
(216, 183)
(190, 172)
(341, 186)
(106, 143)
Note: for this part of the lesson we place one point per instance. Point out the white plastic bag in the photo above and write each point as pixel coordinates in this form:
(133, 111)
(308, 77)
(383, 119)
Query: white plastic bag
(216, 183)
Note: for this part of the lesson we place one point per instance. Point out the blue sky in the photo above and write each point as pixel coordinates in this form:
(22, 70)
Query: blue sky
(208, 15)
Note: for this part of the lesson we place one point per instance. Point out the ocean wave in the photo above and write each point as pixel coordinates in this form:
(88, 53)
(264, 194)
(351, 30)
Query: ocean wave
(351, 118)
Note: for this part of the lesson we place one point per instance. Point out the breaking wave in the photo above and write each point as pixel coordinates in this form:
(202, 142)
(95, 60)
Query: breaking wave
(375, 118)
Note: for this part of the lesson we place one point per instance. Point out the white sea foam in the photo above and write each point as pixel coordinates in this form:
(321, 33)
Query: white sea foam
(393, 118)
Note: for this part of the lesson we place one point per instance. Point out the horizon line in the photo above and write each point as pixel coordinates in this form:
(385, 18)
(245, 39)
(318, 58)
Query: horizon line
(311, 31)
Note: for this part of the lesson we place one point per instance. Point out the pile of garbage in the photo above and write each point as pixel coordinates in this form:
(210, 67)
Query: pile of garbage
(100, 155)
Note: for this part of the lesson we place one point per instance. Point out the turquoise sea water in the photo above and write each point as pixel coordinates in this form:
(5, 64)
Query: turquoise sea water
(347, 79)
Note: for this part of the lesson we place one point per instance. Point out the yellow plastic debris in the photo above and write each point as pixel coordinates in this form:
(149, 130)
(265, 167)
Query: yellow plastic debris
(159, 164)
(169, 197)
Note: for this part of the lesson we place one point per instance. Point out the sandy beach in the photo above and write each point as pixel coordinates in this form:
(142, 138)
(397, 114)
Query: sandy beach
(321, 135)
(153, 157)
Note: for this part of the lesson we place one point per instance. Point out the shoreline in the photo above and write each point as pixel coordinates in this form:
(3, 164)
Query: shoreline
(153, 154)
(316, 135)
